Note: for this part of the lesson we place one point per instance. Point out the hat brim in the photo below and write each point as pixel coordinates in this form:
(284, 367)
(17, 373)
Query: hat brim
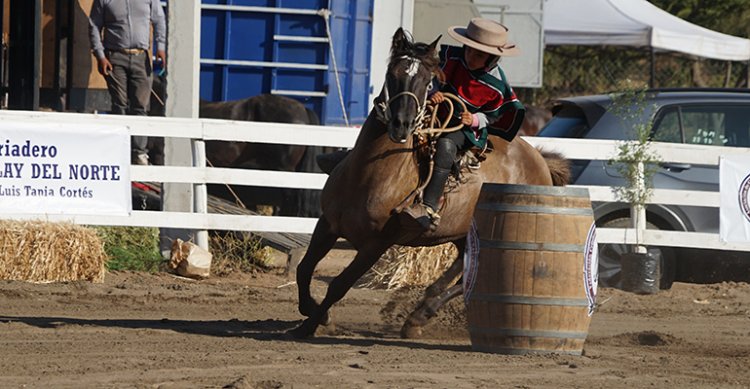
(459, 33)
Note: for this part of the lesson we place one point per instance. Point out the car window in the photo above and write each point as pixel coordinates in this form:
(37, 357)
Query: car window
(716, 125)
(703, 125)
(737, 126)
(667, 127)
(567, 123)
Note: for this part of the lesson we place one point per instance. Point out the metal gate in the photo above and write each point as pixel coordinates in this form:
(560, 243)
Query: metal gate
(284, 47)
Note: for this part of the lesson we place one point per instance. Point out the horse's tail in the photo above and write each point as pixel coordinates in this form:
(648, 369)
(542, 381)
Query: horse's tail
(559, 167)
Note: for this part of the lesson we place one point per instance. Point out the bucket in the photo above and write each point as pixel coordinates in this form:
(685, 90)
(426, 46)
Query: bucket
(533, 286)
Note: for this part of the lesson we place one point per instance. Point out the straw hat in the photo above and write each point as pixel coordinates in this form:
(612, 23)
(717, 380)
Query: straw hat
(485, 35)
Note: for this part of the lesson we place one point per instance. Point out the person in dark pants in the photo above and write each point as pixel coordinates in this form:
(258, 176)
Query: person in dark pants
(120, 33)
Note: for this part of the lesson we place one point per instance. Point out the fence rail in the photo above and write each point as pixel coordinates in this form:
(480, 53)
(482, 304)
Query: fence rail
(211, 129)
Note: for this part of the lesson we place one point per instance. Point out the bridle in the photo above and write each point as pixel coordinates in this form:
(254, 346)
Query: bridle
(383, 107)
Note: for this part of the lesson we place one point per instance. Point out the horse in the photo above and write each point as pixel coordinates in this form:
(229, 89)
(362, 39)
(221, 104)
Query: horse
(265, 156)
(244, 155)
(364, 193)
(534, 120)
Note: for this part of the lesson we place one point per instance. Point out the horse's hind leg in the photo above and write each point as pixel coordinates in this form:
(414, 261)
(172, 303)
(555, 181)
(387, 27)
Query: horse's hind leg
(436, 295)
(321, 243)
(363, 261)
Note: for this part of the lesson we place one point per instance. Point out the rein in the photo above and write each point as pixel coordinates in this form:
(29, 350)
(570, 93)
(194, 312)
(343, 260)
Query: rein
(384, 106)
(432, 132)
(428, 125)
(435, 125)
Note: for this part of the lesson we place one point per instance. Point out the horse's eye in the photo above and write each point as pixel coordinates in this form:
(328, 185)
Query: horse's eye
(429, 86)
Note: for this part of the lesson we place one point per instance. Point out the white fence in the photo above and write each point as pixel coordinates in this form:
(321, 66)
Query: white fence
(208, 129)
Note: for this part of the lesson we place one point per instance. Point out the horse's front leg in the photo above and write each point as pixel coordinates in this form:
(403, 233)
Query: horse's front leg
(321, 243)
(436, 296)
(340, 285)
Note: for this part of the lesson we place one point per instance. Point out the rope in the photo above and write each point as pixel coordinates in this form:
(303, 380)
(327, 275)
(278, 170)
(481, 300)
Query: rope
(231, 191)
(157, 97)
(441, 125)
(326, 14)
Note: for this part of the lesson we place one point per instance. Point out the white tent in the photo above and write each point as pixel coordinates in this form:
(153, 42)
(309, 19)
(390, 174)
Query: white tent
(635, 23)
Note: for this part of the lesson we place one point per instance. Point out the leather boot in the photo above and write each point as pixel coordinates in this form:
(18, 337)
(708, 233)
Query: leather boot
(425, 214)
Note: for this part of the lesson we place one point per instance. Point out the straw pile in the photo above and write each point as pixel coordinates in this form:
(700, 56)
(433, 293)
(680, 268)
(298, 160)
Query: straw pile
(402, 266)
(39, 251)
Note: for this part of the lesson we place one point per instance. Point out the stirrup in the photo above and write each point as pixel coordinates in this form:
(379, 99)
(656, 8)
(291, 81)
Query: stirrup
(422, 216)
(434, 216)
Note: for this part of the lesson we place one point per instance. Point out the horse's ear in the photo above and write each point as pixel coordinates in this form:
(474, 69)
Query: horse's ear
(434, 43)
(400, 41)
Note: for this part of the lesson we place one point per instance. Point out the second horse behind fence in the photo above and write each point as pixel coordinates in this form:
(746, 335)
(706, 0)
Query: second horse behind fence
(246, 155)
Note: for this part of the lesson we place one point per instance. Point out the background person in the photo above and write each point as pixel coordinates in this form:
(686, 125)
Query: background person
(120, 34)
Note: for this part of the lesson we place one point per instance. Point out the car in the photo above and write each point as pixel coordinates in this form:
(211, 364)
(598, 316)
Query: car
(680, 115)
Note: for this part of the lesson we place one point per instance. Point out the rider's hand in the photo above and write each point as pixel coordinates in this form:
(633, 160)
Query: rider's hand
(437, 98)
(467, 118)
(104, 66)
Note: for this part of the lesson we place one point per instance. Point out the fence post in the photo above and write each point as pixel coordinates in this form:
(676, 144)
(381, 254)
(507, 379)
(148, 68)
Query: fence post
(200, 198)
(638, 212)
(183, 64)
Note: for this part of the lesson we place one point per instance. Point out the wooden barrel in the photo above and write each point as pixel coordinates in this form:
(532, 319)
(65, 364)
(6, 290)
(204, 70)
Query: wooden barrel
(532, 287)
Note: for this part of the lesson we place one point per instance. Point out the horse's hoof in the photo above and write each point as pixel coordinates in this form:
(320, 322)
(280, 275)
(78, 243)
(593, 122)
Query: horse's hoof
(302, 331)
(411, 332)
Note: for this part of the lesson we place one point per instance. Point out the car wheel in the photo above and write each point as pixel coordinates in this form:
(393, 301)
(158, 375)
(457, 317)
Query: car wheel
(610, 268)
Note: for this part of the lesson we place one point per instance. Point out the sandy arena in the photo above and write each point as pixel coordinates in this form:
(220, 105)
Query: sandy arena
(159, 331)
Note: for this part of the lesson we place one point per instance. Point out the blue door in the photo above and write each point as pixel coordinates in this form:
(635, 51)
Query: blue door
(250, 47)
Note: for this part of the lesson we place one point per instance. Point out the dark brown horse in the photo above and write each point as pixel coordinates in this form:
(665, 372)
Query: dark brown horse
(265, 156)
(244, 155)
(363, 193)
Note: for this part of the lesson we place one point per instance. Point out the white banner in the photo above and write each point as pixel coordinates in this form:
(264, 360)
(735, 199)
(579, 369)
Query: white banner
(735, 198)
(64, 169)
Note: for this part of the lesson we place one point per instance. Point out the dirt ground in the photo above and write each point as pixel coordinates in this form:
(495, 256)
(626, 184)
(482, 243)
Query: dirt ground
(160, 331)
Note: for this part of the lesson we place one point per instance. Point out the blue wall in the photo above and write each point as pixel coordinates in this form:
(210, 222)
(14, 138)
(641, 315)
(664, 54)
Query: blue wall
(262, 37)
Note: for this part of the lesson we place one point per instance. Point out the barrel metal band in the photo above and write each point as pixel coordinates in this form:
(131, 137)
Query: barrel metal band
(493, 244)
(527, 333)
(520, 351)
(563, 191)
(528, 300)
(535, 209)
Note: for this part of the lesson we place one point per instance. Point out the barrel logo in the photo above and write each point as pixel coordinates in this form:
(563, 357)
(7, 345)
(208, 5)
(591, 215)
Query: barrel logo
(471, 261)
(591, 268)
(744, 197)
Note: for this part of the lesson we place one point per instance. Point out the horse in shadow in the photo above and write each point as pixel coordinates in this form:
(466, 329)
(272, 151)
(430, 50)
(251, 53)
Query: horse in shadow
(245, 155)
(364, 193)
(265, 156)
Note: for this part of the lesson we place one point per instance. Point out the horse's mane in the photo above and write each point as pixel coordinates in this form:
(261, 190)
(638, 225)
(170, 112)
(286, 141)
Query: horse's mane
(422, 51)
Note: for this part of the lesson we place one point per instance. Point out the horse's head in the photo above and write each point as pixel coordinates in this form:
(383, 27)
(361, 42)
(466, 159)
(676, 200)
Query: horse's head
(408, 80)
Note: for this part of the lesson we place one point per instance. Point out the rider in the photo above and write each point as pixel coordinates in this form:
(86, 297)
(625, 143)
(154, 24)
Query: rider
(471, 73)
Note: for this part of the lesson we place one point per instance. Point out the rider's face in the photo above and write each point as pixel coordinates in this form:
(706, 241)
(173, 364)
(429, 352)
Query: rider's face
(475, 59)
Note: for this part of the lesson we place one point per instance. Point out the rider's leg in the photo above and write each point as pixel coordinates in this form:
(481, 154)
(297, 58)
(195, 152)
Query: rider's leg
(445, 156)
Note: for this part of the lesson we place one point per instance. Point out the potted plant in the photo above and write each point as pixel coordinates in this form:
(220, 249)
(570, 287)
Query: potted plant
(637, 163)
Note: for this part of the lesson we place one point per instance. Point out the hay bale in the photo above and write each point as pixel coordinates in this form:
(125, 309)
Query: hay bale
(40, 251)
(403, 266)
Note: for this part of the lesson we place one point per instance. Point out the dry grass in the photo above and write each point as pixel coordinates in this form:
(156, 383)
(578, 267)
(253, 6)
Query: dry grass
(39, 251)
(402, 266)
(131, 248)
(238, 252)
